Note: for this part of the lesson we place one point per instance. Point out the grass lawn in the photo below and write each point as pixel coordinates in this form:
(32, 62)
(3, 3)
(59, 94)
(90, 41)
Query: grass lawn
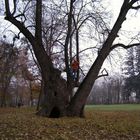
(113, 122)
(116, 107)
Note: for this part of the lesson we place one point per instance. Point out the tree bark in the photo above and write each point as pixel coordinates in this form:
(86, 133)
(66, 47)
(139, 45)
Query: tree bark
(56, 97)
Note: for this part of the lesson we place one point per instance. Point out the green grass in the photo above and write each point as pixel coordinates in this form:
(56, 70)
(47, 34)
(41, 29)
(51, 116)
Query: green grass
(116, 107)
(106, 124)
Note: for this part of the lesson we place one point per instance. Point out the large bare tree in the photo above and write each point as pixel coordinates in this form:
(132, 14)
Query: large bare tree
(56, 91)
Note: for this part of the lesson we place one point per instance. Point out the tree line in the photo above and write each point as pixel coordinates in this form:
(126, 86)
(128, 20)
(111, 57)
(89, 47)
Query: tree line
(18, 82)
(120, 88)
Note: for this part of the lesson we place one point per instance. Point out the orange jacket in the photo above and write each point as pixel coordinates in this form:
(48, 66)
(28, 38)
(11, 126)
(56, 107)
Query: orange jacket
(75, 65)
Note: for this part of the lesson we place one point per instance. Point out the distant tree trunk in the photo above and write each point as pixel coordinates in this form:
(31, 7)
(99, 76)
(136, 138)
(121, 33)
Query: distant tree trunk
(118, 90)
(3, 98)
(40, 95)
(31, 93)
(138, 96)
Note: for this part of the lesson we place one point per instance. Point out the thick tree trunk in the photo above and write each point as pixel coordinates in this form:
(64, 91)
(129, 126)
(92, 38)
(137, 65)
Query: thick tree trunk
(56, 97)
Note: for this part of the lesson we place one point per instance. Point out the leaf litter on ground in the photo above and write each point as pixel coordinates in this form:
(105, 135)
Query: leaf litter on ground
(23, 124)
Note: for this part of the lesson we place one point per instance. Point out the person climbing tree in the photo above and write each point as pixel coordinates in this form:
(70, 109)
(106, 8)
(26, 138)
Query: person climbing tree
(74, 67)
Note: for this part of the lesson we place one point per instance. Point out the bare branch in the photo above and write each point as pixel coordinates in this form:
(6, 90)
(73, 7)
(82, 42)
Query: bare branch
(34, 57)
(14, 2)
(82, 71)
(124, 46)
(103, 74)
(7, 7)
(132, 2)
(136, 7)
(57, 52)
(84, 20)
(85, 50)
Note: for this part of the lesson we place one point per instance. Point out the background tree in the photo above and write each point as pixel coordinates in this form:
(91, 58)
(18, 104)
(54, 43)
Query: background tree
(107, 90)
(17, 75)
(137, 74)
(8, 65)
(132, 73)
